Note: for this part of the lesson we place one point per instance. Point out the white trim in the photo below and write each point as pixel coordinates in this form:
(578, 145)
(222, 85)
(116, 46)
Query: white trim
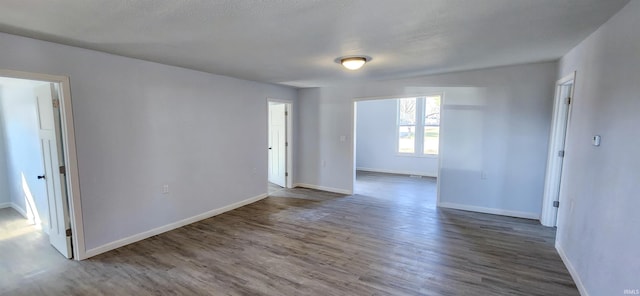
(567, 78)
(572, 270)
(557, 141)
(352, 144)
(439, 169)
(289, 130)
(70, 154)
(416, 155)
(517, 214)
(418, 145)
(323, 188)
(270, 99)
(147, 234)
(14, 206)
(354, 135)
(289, 146)
(395, 172)
(20, 210)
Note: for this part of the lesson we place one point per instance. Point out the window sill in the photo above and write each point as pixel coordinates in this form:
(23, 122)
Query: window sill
(417, 155)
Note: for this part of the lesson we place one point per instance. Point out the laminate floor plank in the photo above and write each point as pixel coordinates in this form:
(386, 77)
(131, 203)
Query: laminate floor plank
(387, 239)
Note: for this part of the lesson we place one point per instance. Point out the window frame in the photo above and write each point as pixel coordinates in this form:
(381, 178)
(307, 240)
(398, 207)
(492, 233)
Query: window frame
(398, 125)
(419, 125)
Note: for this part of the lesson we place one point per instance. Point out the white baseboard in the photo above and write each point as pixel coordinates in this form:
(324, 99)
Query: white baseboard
(144, 235)
(397, 172)
(494, 211)
(36, 222)
(20, 210)
(15, 206)
(323, 188)
(572, 270)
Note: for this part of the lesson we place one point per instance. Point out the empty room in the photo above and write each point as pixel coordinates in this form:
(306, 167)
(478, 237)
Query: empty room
(332, 147)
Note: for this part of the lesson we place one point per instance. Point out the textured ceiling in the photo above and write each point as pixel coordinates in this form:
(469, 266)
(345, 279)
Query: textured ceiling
(295, 42)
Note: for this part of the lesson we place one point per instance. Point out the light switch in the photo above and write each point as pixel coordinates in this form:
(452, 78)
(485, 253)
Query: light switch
(596, 140)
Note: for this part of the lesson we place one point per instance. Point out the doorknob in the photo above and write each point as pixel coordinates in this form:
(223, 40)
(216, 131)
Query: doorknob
(40, 177)
(269, 148)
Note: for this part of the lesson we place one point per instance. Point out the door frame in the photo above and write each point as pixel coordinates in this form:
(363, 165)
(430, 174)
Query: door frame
(554, 171)
(437, 91)
(70, 155)
(288, 129)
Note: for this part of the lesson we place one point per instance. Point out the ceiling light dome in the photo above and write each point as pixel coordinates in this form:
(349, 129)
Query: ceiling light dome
(353, 62)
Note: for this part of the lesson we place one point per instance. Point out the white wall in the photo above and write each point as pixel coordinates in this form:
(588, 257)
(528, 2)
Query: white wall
(494, 121)
(140, 125)
(599, 222)
(19, 118)
(5, 198)
(376, 142)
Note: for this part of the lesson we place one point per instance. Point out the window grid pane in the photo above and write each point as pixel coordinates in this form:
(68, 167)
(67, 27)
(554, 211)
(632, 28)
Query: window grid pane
(406, 138)
(431, 139)
(407, 111)
(431, 125)
(407, 125)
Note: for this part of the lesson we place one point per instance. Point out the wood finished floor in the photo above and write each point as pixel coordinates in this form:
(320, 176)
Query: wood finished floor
(24, 250)
(272, 188)
(384, 240)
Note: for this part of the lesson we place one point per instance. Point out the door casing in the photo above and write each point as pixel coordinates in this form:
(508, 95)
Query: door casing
(289, 130)
(52, 158)
(277, 143)
(69, 153)
(557, 142)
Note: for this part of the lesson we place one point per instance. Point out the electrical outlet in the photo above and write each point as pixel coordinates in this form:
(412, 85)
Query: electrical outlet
(165, 189)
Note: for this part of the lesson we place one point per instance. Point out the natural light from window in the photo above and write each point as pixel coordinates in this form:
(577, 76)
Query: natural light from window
(407, 125)
(419, 118)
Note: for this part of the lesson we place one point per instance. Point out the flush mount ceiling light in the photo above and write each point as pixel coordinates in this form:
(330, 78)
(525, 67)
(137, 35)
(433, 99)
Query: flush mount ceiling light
(353, 62)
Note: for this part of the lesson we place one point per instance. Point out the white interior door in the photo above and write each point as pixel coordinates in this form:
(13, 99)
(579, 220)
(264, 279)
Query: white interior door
(277, 144)
(49, 128)
(556, 154)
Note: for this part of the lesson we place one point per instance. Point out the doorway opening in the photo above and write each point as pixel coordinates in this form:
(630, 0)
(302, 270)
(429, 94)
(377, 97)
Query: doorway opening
(555, 159)
(396, 147)
(279, 136)
(38, 166)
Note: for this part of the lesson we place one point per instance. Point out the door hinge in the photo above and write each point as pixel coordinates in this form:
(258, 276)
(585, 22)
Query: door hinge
(68, 232)
(286, 174)
(568, 100)
(56, 103)
(286, 144)
(286, 113)
(561, 153)
(556, 204)
(63, 170)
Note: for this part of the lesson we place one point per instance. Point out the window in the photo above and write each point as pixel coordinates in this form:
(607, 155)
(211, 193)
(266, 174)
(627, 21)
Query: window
(419, 118)
(407, 125)
(431, 125)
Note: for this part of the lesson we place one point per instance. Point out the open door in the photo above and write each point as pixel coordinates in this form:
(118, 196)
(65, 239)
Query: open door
(50, 133)
(555, 158)
(277, 144)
